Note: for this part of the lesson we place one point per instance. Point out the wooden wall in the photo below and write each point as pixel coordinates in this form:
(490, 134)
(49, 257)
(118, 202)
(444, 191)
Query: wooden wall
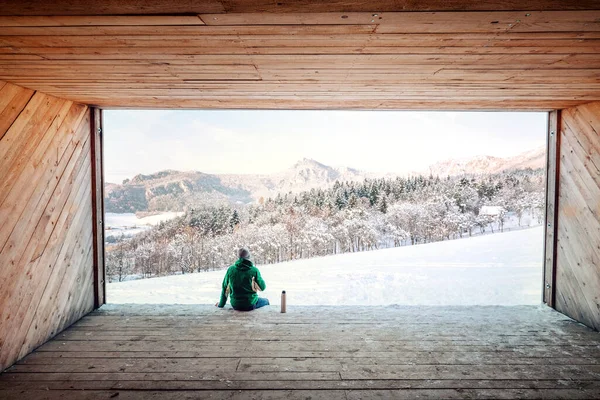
(577, 277)
(306, 54)
(46, 235)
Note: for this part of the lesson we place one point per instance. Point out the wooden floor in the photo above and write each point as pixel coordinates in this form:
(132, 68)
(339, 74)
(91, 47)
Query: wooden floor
(184, 352)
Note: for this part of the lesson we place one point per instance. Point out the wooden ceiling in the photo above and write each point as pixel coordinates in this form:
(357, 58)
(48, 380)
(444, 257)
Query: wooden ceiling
(353, 54)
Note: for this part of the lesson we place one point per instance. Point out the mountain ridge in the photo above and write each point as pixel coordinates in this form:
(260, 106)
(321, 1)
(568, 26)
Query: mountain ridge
(171, 190)
(483, 164)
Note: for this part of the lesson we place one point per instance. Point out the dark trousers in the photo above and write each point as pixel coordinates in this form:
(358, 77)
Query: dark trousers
(260, 303)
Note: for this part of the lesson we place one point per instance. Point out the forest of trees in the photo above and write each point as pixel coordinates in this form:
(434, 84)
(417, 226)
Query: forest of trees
(348, 217)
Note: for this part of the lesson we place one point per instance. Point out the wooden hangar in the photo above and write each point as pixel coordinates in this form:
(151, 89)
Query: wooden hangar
(62, 62)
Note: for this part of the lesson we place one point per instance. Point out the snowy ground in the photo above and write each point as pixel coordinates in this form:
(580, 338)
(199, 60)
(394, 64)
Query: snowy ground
(498, 269)
(129, 224)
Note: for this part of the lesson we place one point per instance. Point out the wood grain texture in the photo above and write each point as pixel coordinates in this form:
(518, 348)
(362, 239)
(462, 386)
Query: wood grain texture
(137, 351)
(578, 232)
(97, 156)
(552, 179)
(45, 206)
(124, 7)
(307, 55)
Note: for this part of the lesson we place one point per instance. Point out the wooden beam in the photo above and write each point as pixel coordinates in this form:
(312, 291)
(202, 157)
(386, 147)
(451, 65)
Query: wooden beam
(242, 56)
(425, 22)
(98, 207)
(157, 7)
(100, 20)
(552, 182)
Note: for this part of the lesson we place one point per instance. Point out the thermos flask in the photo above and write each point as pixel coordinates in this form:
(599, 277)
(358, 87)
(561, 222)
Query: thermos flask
(283, 301)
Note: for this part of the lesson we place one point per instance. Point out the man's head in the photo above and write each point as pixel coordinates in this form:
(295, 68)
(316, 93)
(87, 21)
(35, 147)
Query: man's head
(244, 253)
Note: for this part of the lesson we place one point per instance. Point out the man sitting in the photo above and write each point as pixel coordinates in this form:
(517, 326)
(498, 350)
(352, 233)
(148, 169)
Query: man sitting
(242, 281)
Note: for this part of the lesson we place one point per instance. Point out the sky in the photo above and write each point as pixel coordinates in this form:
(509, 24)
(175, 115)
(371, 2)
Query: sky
(263, 142)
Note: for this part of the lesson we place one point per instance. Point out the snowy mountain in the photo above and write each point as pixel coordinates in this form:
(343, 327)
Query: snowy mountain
(175, 191)
(533, 159)
(170, 191)
(306, 174)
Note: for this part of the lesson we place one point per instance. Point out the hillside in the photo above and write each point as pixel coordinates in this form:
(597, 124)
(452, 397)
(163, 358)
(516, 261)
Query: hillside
(533, 159)
(177, 191)
(306, 174)
(495, 269)
(171, 191)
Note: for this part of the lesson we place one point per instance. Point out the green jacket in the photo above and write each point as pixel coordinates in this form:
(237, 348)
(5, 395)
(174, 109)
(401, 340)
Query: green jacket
(239, 280)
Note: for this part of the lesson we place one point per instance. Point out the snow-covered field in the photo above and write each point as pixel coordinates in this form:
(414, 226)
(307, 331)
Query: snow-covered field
(129, 224)
(497, 269)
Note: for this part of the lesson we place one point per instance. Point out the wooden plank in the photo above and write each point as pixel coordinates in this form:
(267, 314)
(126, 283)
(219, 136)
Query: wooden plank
(181, 376)
(192, 30)
(324, 345)
(401, 5)
(280, 36)
(40, 165)
(136, 335)
(182, 55)
(20, 144)
(585, 145)
(28, 296)
(8, 381)
(305, 87)
(109, 7)
(291, 334)
(430, 22)
(153, 53)
(99, 20)
(276, 348)
(424, 94)
(316, 394)
(13, 100)
(537, 353)
(24, 236)
(467, 372)
(13, 57)
(55, 165)
(458, 394)
(490, 104)
(582, 274)
(578, 256)
(275, 364)
(247, 386)
(333, 62)
(67, 269)
(98, 206)
(324, 33)
(458, 349)
(12, 138)
(387, 372)
(552, 179)
(142, 365)
(153, 7)
(518, 21)
(49, 44)
(217, 395)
